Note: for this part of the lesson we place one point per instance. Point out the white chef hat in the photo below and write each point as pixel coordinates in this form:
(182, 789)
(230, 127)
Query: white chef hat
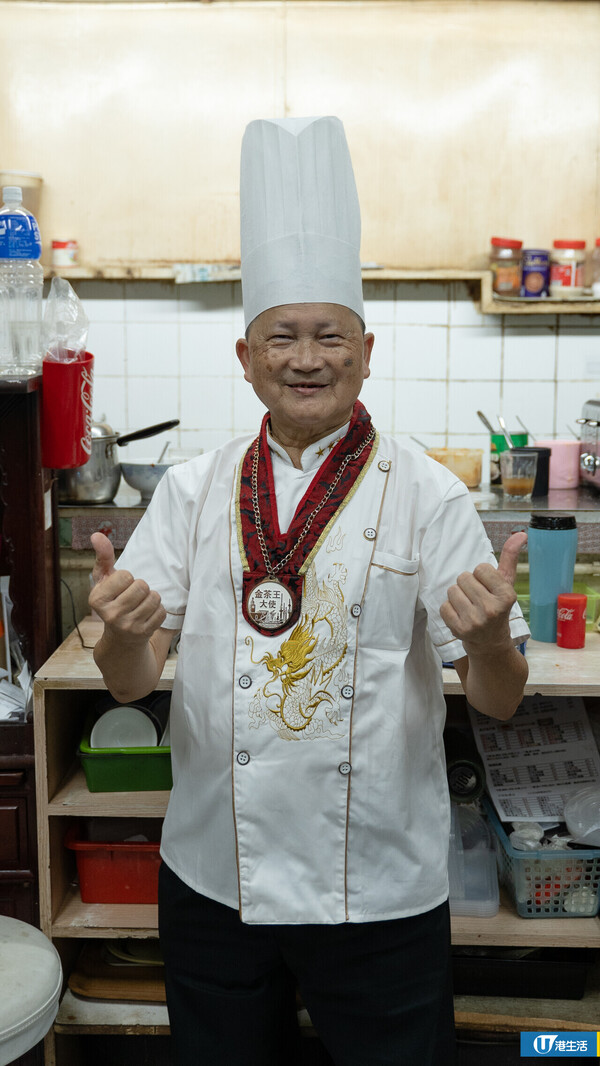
(300, 216)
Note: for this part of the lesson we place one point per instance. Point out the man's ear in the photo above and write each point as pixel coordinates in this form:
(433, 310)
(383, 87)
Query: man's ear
(243, 353)
(368, 341)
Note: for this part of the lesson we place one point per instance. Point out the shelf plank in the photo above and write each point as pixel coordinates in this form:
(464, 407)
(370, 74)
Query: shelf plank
(208, 273)
(77, 919)
(505, 929)
(502, 1014)
(124, 1018)
(74, 798)
(490, 305)
(553, 671)
(507, 1014)
(72, 665)
(509, 929)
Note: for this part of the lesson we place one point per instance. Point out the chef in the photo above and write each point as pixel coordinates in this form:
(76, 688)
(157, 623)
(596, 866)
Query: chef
(318, 575)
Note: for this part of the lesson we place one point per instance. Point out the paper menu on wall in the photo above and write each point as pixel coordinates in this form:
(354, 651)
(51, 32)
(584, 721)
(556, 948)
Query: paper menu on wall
(537, 759)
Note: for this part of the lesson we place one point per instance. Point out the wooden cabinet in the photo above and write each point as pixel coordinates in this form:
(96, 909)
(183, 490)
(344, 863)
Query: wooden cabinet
(65, 688)
(28, 522)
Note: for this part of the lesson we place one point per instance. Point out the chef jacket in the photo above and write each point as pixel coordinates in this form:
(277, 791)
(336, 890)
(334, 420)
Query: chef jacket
(309, 779)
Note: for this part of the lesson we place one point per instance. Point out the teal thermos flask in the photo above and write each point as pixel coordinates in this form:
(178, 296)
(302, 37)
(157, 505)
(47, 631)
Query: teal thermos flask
(552, 549)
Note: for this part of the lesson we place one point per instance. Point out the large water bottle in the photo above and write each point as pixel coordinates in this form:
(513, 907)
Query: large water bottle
(21, 287)
(552, 550)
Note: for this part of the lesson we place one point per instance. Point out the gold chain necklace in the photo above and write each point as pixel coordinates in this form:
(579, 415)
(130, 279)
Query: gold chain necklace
(271, 569)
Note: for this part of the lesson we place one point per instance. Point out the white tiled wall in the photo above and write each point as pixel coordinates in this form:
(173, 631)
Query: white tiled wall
(164, 351)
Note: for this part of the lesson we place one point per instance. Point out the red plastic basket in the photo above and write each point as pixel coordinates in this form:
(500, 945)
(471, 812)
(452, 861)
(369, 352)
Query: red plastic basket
(115, 872)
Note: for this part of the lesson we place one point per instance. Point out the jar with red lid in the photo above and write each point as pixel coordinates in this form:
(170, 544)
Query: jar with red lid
(505, 264)
(567, 260)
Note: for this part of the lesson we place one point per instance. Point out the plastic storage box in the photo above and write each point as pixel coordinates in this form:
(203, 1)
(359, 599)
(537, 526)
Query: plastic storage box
(472, 868)
(124, 769)
(548, 884)
(115, 872)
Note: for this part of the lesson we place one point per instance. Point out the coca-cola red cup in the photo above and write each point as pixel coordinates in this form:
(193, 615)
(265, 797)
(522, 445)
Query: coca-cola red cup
(67, 411)
(570, 619)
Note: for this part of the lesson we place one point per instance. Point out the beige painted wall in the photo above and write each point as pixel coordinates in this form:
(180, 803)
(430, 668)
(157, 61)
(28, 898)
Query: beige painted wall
(464, 118)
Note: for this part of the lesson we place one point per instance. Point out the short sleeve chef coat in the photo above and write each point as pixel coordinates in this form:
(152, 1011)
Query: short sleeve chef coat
(308, 766)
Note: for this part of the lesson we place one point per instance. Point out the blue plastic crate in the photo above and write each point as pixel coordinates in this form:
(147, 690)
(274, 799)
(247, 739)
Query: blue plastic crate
(544, 883)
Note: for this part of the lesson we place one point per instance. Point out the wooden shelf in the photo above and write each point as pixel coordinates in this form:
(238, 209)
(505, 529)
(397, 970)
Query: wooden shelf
(63, 689)
(72, 666)
(491, 305)
(509, 929)
(77, 1015)
(553, 671)
(103, 920)
(507, 1014)
(73, 798)
(187, 273)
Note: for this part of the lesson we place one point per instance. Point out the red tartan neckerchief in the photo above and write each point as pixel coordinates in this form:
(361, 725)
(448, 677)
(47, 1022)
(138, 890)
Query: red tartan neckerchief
(358, 442)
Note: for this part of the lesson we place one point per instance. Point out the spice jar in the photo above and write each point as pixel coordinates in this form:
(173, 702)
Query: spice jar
(535, 273)
(64, 253)
(505, 264)
(567, 260)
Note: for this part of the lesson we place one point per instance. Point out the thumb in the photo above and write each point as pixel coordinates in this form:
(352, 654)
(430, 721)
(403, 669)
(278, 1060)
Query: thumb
(509, 556)
(105, 557)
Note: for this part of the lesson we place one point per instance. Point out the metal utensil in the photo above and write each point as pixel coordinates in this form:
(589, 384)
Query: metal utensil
(507, 437)
(420, 443)
(149, 431)
(163, 452)
(488, 425)
(523, 426)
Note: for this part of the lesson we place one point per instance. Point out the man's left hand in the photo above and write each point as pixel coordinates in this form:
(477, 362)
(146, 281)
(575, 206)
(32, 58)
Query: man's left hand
(479, 604)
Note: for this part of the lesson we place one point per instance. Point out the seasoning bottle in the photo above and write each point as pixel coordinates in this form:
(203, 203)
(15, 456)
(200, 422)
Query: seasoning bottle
(552, 550)
(567, 260)
(535, 273)
(505, 264)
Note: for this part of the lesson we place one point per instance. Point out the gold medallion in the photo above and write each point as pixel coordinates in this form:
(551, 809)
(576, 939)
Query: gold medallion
(270, 604)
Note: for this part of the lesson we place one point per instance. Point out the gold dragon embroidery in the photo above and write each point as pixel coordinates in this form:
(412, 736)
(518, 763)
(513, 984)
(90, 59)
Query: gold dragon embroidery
(302, 697)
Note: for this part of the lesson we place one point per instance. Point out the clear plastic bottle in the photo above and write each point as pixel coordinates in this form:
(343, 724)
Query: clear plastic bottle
(21, 288)
(595, 262)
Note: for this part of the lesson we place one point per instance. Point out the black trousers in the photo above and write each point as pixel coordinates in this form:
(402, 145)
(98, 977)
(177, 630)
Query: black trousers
(377, 993)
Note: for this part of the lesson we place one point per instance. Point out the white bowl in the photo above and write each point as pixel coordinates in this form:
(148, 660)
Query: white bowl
(144, 475)
(124, 727)
(582, 815)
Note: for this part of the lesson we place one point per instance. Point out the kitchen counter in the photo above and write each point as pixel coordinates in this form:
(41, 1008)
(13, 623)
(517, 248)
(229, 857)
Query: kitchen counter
(499, 514)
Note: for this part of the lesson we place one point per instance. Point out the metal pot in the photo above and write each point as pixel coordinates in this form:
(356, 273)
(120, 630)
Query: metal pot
(97, 480)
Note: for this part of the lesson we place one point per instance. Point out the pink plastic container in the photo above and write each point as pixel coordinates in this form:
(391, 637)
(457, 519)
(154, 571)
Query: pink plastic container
(564, 463)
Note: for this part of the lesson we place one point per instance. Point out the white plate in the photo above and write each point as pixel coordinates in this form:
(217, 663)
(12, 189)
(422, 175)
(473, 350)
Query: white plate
(124, 727)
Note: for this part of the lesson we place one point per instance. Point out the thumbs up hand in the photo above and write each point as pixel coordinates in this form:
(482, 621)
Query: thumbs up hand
(104, 564)
(128, 607)
(479, 604)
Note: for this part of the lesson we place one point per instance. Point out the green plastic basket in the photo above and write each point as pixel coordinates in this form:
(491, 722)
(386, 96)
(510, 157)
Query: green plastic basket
(124, 769)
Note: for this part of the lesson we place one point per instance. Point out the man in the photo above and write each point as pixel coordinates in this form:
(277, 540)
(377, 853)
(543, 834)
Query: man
(318, 575)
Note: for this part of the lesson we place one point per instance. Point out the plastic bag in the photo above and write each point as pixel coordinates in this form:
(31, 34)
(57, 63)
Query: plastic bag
(65, 324)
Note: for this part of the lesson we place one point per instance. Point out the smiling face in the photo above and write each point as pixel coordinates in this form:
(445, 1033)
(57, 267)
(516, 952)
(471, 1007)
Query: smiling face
(307, 363)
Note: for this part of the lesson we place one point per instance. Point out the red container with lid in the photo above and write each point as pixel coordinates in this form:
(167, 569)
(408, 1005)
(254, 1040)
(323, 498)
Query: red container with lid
(505, 264)
(115, 872)
(570, 619)
(567, 260)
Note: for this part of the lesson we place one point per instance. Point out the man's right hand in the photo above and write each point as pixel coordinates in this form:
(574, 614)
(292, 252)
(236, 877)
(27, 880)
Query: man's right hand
(126, 605)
